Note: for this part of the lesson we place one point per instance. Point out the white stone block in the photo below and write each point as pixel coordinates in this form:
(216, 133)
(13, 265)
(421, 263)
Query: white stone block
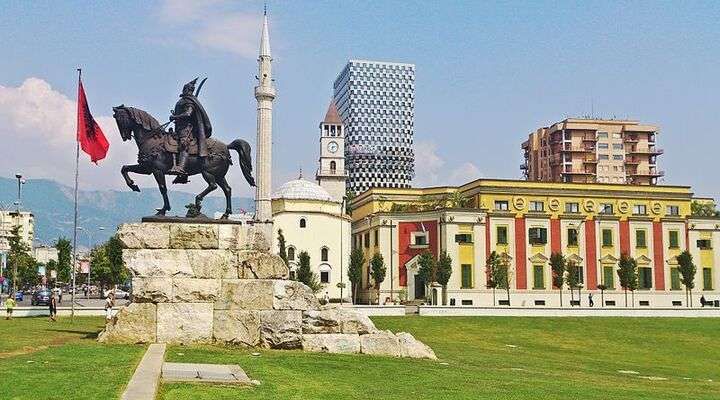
(332, 343)
(194, 290)
(184, 322)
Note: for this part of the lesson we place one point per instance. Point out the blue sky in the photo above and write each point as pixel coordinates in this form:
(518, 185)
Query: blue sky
(487, 75)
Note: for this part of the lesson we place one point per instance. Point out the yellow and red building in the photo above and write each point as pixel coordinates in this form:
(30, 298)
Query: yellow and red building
(525, 222)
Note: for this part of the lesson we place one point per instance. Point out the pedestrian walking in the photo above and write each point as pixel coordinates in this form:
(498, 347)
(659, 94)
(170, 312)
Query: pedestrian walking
(702, 300)
(52, 305)
(109, 304)
(590, 300)
(9, 305)
(86, 291)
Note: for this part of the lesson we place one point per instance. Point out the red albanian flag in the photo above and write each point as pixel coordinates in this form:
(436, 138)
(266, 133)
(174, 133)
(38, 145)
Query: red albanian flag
(91, 137)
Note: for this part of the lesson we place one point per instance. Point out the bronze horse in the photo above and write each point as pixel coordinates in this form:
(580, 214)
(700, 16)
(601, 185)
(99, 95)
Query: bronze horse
(155, 156)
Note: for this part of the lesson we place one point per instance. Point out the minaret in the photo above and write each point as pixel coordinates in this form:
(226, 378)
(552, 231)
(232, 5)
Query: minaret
(264, 94)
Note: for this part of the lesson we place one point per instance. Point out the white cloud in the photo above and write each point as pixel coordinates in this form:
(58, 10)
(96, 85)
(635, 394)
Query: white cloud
(431, 169)
(215, 25)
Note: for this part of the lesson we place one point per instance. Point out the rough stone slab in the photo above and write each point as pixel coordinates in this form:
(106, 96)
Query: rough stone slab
(184, 322)
(144, 236)
(332, 343)
(336, 320)
(237, 327)
(145, 381)
(194, 290)
(293, 295)
(152, 289)
(256, 237)
(194, 236)
(281, 329)
(232, 237)
(413, 348)
(157, 263)
(255, 264)
(204, 373)
(380, 344)
(245, 294)
(132, 324)
(218, 264)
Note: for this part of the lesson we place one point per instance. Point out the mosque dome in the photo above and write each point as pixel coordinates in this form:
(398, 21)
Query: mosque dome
(301, 189)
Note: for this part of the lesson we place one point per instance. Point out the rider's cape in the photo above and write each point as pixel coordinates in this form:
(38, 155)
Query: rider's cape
(202, 121)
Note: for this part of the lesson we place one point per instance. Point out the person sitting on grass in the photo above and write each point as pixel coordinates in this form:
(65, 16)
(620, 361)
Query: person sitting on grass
(9, 305)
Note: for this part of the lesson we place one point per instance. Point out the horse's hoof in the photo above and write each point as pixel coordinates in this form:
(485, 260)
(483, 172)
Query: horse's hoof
(160, 212)
(134, 187)
(224, 216)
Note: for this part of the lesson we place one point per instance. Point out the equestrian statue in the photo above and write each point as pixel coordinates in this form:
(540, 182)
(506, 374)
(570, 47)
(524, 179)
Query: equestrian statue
(187, 150)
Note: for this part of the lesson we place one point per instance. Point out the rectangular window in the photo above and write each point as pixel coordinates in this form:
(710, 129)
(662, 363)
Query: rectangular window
(466, 302)
(572, 208)
(602, 135)
(367, 240)
(537, 235)
(602, 146)
(606, 208)
(673, 210)
(463, 238)
(377, 241)
(603, 157)
(537, 206)
(324, 276)
(538, 277)
(707, 279)
(580, 274)
(616, 136)
(502, 205)
(674, 239)
(609, 277)
(639, 209)
(502, 235)
(466, 271)
(674, 278)
(607, 237)
(640, 238)
(572, 237)
(617, 157)
(617, 146)
(704, 244)
(645, 277)
(419, 238)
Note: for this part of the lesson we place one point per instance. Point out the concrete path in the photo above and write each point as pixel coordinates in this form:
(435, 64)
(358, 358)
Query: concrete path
(204, 373)
(145, 381)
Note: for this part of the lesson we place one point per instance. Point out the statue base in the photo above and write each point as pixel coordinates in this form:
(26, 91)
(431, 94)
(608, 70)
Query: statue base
(219, 283)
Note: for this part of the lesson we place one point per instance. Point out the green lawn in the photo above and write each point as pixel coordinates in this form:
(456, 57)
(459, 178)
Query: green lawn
(553, 358)
(41, 360)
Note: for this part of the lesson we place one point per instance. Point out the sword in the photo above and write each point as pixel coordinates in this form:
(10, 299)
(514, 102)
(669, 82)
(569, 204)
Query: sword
(202, 82)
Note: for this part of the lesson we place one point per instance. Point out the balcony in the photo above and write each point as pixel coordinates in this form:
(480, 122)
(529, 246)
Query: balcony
(330, 172)
(632, 161)
(578, 149)
(589, 138)
(555, 159)
(577, 171)
(590, 160)
(630, 139)
(647, 172)
(524, 166)
(649, 151)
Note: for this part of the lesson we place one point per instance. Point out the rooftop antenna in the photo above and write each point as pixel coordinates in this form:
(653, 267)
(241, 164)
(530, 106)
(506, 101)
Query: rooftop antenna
(265, 8)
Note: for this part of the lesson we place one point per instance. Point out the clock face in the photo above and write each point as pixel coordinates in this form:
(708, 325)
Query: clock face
(332, 147)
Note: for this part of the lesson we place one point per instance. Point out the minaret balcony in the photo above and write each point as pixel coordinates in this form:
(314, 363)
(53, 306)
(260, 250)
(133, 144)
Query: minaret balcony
(267, 92)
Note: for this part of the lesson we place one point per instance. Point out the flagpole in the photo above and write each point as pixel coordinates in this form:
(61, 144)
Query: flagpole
(77, 161)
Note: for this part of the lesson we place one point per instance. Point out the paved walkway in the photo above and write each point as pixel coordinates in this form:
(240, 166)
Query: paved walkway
(204, 373)
(145, 381)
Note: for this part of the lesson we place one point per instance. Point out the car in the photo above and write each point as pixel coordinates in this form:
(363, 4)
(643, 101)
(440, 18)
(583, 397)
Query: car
(19, 295)
(41, 298)
(119, 293)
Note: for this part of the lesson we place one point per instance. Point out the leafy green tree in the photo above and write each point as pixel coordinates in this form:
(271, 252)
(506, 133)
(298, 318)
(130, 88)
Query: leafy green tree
(378, 271)
(305, 275)
(113, 247)
(24, 267)
(572, 278)
(443, 273)
(502, 275)
(456, 200)
(704, 208)
(282, 250)
(64, 248)
(50, 266)
(491, 265)
(426, 270)
(687, 270)
(357, 260)
(106, 265)
(627, 275)
(557, 265)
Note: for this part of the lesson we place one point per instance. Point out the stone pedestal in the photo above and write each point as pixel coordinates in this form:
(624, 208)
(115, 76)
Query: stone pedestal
(204, 283)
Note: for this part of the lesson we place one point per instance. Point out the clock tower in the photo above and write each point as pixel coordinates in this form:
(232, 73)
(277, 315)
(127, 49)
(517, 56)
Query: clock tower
(331, 174)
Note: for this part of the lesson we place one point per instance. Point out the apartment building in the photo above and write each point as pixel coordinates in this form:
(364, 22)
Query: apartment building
(593, 151)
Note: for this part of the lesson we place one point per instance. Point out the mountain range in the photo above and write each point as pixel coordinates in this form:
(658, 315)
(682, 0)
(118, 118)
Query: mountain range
(52, 206)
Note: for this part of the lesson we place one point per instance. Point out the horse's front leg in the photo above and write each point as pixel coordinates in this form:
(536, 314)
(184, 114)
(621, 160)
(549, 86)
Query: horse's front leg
(160, 178)
(137, 169)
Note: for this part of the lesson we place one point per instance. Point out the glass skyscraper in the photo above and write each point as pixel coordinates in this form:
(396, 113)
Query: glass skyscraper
(376, 102)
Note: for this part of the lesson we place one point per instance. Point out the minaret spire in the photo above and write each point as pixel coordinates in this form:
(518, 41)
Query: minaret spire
(264, 94)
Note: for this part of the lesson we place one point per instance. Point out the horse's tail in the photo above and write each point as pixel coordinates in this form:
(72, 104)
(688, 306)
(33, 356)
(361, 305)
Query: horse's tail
(243, 149)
